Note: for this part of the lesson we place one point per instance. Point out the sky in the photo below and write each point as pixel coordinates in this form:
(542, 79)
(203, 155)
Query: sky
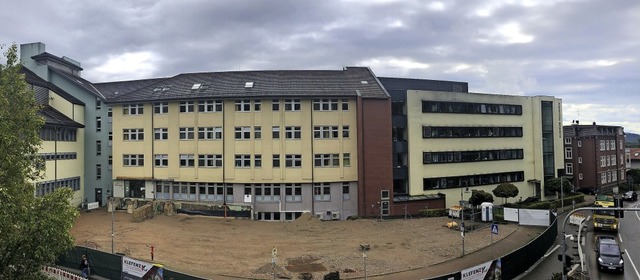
(585, 52)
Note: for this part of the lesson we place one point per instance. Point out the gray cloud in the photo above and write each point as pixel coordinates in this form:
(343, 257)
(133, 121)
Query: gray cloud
(583, 51)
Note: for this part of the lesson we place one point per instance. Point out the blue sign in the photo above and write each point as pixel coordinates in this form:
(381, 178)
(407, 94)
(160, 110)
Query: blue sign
(494, 229)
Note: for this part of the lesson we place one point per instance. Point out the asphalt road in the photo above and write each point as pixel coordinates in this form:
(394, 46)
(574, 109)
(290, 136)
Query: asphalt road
(628, 236)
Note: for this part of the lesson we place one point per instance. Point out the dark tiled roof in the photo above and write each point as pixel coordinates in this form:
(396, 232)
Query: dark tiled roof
(350, 81)
(79, 81)
(35, 80)
(48, 56)
(404, 84)
(53, 117)
(114, 89)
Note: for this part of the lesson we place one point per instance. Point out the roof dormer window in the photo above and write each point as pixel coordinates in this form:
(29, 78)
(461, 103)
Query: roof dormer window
(248, 85)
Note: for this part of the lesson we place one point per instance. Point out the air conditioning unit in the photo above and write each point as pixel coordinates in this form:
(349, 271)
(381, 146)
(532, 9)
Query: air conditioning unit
(335, 215)
(320, 215)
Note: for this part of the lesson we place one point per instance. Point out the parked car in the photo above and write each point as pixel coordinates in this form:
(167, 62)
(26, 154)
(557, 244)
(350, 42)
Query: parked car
(630, 196)
(587, 190)
(608, 253)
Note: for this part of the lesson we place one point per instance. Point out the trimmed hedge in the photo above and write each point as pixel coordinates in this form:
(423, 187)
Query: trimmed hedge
(433, 213)
(549, 204)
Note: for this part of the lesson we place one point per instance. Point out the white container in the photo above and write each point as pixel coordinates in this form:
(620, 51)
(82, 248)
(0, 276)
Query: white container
(487, 211)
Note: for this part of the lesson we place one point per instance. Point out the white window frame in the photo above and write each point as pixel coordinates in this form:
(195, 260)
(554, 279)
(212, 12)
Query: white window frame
(568, 153)
(133, 109)
(568, 168)
(243, 105)
(187, 133)
(293, 160)
(292, 132)
(209, 160)
(242, 133)
(292, 105)
(209, 106)
(326, 160)
(161, 133)
(293, 193)
(242, 161)
(325, 104)
(321, 192)
(161, 160)
(325, 132)
(132, 160)
(187, 160)
(132, 134)
(209, 133)
(567, 140)
(161, 107)
(187, 106)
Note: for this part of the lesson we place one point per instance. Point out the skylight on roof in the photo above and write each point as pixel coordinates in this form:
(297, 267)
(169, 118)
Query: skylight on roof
(364, 82)
(157, 89)
(248, 84)
(165, 88)
(196, 86)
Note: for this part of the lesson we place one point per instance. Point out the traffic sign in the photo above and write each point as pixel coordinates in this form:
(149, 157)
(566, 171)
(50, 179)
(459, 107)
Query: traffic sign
(494, 229)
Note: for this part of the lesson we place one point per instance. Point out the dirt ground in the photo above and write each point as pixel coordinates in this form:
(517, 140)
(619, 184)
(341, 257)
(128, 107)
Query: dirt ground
(212, 247)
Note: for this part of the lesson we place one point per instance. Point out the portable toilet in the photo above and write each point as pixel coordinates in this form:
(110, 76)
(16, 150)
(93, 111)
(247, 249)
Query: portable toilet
(487, 211)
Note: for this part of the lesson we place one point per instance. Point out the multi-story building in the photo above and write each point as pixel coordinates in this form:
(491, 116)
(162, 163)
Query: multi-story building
(453, 141)
(65, 74)
(284, 142)
(62, 135)
(594, 156)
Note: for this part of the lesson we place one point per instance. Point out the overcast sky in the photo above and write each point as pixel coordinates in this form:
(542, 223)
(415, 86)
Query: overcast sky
(585, 52)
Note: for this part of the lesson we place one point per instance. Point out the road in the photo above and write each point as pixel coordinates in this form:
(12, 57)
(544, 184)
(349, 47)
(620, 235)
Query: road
(628, 236)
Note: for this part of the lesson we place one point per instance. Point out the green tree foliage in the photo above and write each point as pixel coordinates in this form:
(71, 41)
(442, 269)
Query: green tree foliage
(635, 174)
(506, 190)
(479, 196)
(33, 230)
(553, 185)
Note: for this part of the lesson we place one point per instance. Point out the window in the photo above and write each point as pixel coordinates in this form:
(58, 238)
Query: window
(276, 161)
(187, 107)
(345, 191)
(243, 161)
(98, 147)
(243, 105)
(275, 105)
(257, 161)
(603, 161)
(209, 133)
(132, 109)
(187, 133)
(109, 114)
(579, 159)
(98, 171)
(325, 132)
(567, 140)
(257, 132)
(133, 134)
(292, 132)
(606, 145)
(345, 104)
(161, 107)
(268, 193)
(187, 160)
(292, 104)
(257, 105)
(98, 124)
(613, 144)
(326, 160)
(133, 160)
(205, 106)
(602, 145)
(346, 159)
(568, 153)
(98, 103)
(345, 131)
(325, 104)
(621, 145)
(580, 176)
(293, 160)
(243, 132)
(321, 192)
(275, 132)
(161, 160)
(613, 159)
(579, 143)
(614, 176)
(293, 193)
(161, 133)
(569, 168)
(110, 163)
(210, 160)
(110, 138)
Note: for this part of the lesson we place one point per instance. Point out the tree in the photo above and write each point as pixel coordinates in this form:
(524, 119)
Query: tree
(634, 175)
(33, 230)
(479, 196)
(506, 190)
(553, 185)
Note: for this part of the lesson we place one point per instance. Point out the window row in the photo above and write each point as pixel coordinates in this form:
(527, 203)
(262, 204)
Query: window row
(65, 134)
(608, 160)
(241, 105)
(608, 145)
(289, 192)
(609, 176)
(240, 133)
(240, 160)
(471, 180)
(469, 132)
(471, 156)
(470, 108)
(43, 188)
(58, 156)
